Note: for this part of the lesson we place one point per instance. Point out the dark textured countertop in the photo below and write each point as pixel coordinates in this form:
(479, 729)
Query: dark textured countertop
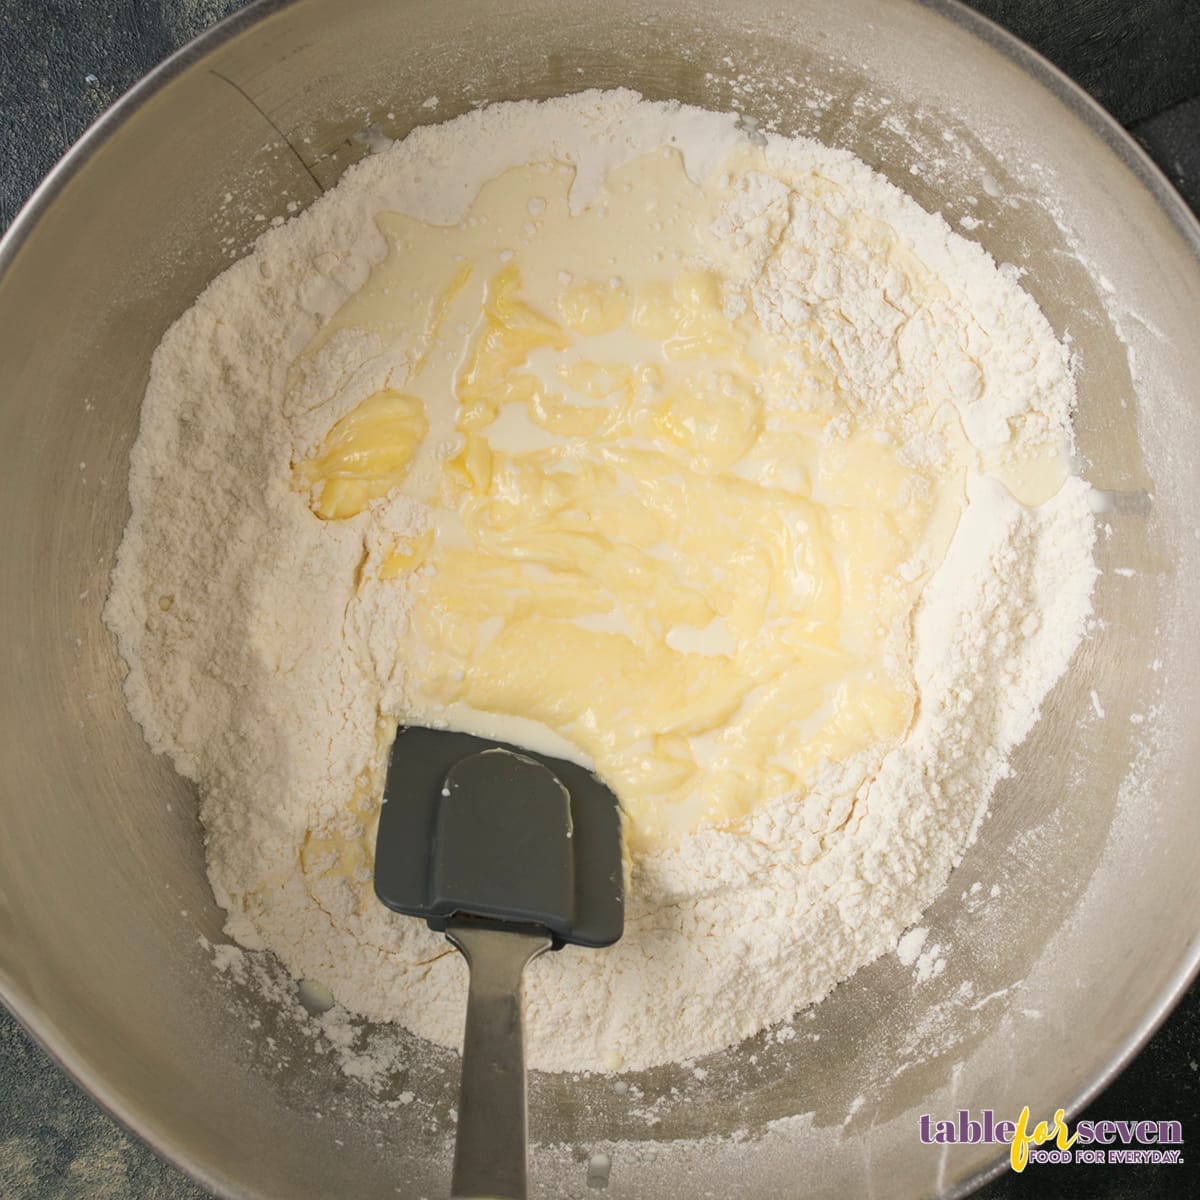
(62, 62)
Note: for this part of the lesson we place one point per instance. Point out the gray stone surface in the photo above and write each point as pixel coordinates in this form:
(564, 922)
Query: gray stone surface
(62, 62)
(56, 1143)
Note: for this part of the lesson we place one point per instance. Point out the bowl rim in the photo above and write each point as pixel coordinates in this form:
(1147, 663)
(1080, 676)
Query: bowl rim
(1029, 61)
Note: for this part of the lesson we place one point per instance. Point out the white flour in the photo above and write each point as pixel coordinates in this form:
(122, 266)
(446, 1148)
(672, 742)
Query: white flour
(260, 668)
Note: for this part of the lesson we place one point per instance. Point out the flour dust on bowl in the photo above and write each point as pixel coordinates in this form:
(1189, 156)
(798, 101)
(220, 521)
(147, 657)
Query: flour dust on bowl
(1034, 954)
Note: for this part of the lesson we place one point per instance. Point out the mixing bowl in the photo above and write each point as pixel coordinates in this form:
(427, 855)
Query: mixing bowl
(1083, 928)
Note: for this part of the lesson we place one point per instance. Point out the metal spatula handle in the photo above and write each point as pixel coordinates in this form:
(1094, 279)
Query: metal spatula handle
(491, 1153)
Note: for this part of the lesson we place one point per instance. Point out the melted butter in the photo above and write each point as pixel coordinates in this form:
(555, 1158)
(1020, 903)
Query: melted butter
(365, 455)
(646, 553)
(406, 554)
(1034, 478)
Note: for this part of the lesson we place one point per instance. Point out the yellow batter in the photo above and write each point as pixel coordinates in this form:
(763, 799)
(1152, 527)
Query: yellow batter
(642, 536)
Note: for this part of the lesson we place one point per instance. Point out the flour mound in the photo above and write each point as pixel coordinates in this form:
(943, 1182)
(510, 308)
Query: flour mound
(260, 669)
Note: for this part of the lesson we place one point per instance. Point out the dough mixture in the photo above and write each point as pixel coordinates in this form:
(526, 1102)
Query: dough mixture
(701, 456)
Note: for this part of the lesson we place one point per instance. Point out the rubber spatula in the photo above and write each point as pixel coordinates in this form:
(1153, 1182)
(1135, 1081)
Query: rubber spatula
(509, 853)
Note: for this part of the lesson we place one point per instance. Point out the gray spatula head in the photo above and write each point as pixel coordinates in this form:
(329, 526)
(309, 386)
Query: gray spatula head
(476, 828)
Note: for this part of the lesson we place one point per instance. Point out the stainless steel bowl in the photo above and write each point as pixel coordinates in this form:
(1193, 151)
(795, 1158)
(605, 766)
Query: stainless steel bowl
(1093, 843)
